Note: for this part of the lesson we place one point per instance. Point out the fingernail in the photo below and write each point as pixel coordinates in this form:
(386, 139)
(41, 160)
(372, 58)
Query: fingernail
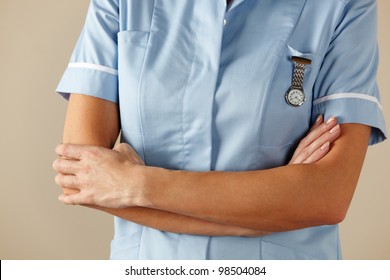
(326, 145)
(337, 127)
(319, 118)
(331, 119)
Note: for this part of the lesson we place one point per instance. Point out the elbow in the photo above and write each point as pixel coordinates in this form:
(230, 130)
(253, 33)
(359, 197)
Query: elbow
(335, 201)
(333, 217)
(335, 211)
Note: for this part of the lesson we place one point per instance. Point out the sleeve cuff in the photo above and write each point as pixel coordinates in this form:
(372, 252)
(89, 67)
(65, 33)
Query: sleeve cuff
(354, 108)
(92, 82)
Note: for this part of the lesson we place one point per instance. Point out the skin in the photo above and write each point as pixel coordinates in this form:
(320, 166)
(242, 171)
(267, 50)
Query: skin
(311, 190)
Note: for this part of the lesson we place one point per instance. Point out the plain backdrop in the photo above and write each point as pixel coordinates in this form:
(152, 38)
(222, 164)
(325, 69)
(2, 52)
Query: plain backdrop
(36, 41)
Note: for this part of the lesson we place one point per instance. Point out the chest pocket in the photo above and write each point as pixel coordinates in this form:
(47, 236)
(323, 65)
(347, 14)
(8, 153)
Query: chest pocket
(282, 125)
(131, 53)
(133, 40)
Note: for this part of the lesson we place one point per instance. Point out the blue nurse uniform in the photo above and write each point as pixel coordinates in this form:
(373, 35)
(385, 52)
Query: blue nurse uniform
(201, 84)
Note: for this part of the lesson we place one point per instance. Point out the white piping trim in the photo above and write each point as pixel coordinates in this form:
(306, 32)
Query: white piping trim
(348, 95)
(97, 67)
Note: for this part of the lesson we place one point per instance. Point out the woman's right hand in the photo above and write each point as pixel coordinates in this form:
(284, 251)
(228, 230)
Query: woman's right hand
(316, 144)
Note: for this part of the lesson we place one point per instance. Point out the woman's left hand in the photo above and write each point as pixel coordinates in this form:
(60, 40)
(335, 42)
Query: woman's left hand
(317, 142)
(99, 176)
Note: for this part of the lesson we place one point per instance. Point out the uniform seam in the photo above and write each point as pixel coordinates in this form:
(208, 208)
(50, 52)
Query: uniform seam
(184, 94)
(140, 84)
(140, 242)
(290, 248)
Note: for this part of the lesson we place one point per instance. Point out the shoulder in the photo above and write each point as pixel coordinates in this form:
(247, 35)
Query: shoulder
(354, 8)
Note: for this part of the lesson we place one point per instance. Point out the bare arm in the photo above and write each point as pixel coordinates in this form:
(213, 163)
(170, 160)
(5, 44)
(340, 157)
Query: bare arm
(286, 198)
(171, 220)
(93, 121)
(90, 121)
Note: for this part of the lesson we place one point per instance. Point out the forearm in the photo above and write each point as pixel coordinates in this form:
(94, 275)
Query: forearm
(171, 222)
(279, 199)
(255, 199)
(91, 121)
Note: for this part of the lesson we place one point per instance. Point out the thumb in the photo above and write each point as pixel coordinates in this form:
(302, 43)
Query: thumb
(124, 148)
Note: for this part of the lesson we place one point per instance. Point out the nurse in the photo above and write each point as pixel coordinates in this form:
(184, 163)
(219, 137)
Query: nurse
(213, 100)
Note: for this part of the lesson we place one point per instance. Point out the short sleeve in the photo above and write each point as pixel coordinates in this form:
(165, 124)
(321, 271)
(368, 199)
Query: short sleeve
(346, 85)
(93, 66)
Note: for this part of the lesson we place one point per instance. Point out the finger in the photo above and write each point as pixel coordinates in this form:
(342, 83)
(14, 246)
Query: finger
(73, 151)
(81, 198)
(129, 152)
(315, 134)
(124, 148)
(66, 166)
(330, 136)
(318, 154)
(67, 181)
(319, 121)
(319, 130)
(75, 199)
(68, 191)
(70, 151)
(302, 152)
(307, 152)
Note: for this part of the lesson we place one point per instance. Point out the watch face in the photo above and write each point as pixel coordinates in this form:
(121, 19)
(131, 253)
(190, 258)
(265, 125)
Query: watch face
(295, 97)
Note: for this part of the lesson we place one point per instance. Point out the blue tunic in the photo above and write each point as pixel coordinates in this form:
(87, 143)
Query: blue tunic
(201, 86)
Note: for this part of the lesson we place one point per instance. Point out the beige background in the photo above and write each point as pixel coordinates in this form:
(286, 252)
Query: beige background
(36, 41)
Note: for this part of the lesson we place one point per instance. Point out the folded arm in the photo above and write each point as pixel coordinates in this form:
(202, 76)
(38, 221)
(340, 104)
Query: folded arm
(279, 199)
(181, 201)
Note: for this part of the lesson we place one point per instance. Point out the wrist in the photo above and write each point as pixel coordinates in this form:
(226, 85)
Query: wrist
(145, 183)
(133, 188)
(152, 182)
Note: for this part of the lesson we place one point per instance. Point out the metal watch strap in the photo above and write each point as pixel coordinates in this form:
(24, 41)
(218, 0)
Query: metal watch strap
(298, 76)
(299, 71)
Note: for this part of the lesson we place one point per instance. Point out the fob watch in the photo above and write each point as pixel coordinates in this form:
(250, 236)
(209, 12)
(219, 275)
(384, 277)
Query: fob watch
(295, 95)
